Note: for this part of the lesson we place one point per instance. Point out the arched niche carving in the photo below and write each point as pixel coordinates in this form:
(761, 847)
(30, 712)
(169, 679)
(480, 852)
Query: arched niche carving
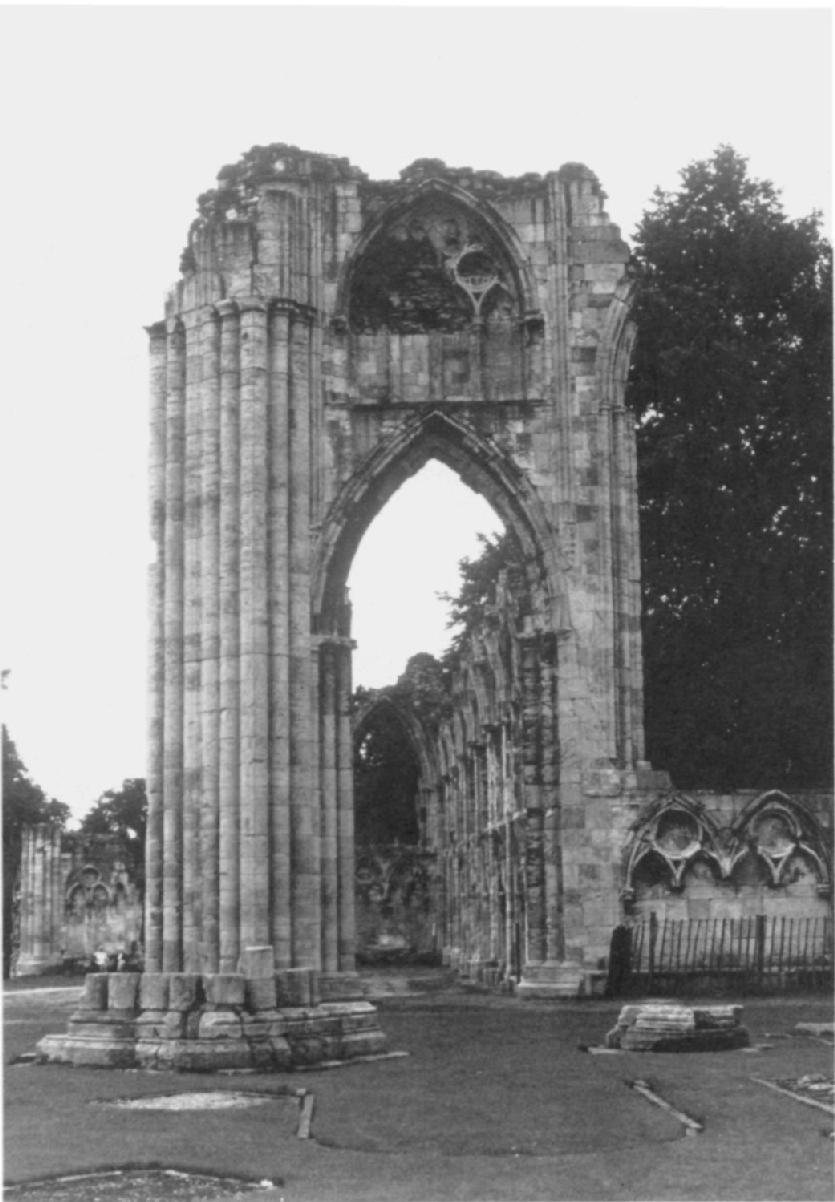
(672, 837)
(773, 839)
(777, 830)
(86, 891)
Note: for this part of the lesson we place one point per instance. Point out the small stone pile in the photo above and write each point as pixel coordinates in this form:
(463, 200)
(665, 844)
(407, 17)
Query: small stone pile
(658, 1027)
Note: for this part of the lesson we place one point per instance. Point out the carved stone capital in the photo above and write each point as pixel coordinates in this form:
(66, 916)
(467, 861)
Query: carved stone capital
(156, 330)
(251, 304)
(226, 308)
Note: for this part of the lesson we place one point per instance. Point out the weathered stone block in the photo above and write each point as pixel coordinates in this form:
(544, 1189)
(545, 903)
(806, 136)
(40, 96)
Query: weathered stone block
(214, 1055)
(656, 1027)
(150, 1025)
(184, 990)
(103, 1026)
(362, 1043)
(95, 991)
(305, 1049)
(295, 987)
(340, 987)
(260, 993)
(257, 963)
(224, 989)
(262, 1028)
(153, 991)
(175, 1024)
(220, 1024)
(123, 991)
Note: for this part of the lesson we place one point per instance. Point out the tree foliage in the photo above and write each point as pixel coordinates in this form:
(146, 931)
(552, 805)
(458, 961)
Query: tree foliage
(386, 767)
(385, 781)
(24, 804)
(122, 814)
(731, 386)
(467, 607)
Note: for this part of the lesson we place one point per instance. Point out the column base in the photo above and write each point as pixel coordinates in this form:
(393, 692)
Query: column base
(205, 1023)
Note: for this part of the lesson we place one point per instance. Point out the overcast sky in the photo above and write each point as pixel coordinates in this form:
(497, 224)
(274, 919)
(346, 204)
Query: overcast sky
(115, 119)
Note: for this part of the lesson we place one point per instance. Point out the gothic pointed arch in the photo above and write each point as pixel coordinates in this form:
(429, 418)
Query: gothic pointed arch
(775, 829)
(422, 746)
(480, 464)
(673, 834)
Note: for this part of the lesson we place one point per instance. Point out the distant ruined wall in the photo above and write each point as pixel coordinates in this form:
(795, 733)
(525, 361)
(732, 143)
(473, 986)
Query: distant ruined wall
(396, 914)
(652, 850)
(75, 897)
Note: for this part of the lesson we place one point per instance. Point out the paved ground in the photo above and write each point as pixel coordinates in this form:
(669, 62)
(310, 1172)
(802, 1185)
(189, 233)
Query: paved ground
(496, 1100)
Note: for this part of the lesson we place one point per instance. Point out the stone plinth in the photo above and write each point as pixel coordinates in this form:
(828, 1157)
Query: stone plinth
(656, 1027)
(204, 1023)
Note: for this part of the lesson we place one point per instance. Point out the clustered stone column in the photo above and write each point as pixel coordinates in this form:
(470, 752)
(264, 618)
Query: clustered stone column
(249, 828)
(41, 899)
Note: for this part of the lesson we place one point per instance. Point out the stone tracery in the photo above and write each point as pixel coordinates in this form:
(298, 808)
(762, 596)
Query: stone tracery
(771, 829)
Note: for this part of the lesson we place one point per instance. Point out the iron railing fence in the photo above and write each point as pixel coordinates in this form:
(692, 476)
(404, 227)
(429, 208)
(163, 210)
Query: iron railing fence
(756, 954)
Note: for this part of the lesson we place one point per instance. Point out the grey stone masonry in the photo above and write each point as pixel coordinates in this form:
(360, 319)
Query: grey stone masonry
(329, 334)
(195, 1023)
(656, 1027)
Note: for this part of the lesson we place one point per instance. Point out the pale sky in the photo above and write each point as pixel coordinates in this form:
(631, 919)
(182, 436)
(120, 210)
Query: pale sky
(115, 119)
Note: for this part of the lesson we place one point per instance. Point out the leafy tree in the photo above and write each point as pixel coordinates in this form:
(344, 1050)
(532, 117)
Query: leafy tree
(467, 607)
(122, 813)
(24, 804)
(731, 387)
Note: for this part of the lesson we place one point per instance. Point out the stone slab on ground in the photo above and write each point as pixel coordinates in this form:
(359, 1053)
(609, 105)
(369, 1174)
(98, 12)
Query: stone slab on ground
(660, 1027)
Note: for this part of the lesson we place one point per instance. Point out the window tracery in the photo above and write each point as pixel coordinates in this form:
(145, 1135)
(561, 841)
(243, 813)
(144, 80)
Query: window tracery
(773, 831)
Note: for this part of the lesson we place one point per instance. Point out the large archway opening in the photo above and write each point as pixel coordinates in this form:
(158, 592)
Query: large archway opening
(436, 334)
(404, 571)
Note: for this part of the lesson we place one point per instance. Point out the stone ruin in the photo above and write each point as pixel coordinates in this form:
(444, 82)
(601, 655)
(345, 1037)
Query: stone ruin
(328, 335)
(76, 895)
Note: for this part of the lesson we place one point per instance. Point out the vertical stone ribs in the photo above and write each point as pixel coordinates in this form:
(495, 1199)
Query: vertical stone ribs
(173, 608)
(229, 728)
(254, 632)
(233, 824)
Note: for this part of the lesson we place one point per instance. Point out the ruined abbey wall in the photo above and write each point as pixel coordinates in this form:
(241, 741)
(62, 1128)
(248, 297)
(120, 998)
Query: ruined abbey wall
(627, 854)
(76, 897)
(329, 334)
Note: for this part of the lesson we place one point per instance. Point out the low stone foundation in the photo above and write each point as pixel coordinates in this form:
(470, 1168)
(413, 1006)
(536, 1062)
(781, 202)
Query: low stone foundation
(557, 979)
(202, 1023)
(656, 1027)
